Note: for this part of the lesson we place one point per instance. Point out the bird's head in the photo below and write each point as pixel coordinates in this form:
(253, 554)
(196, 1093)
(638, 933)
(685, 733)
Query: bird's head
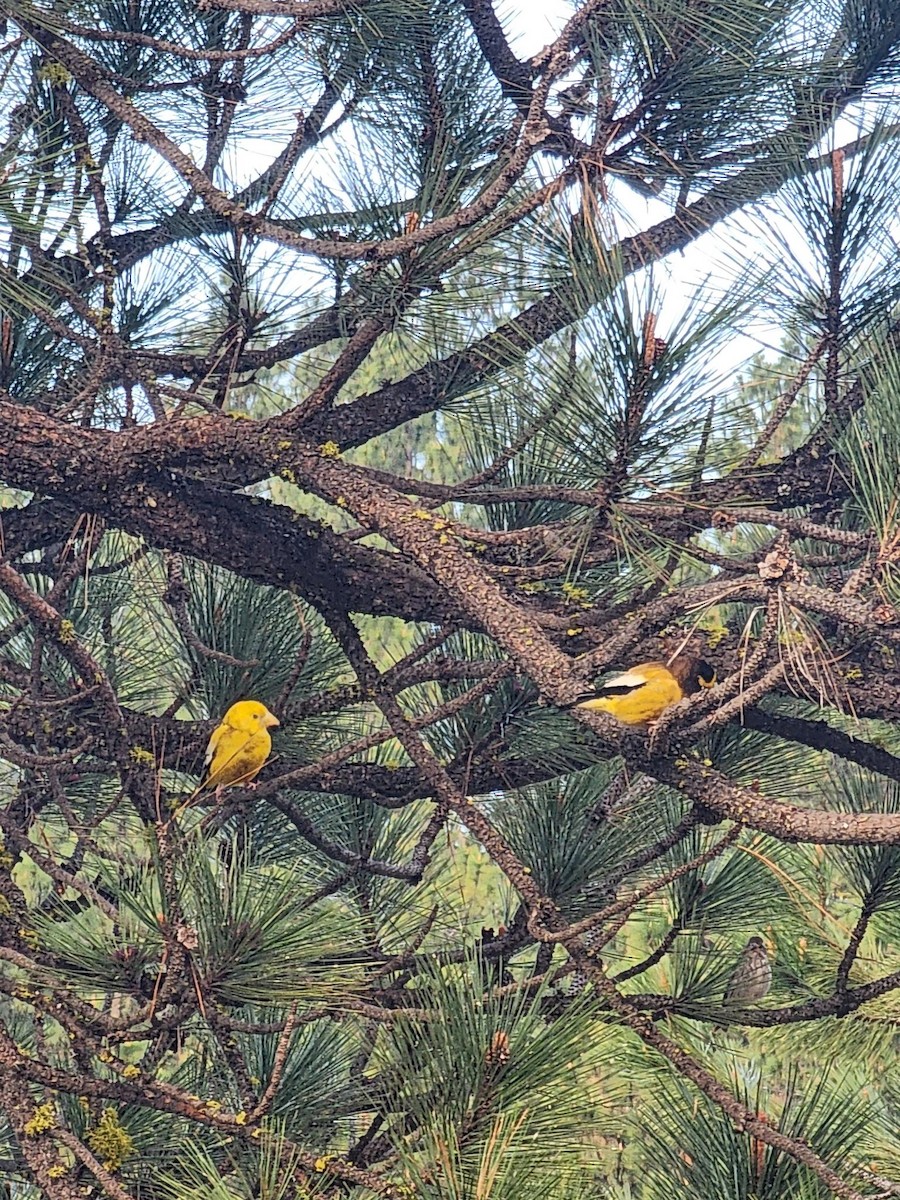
(250, 716)
(692, 673)
(705, 674)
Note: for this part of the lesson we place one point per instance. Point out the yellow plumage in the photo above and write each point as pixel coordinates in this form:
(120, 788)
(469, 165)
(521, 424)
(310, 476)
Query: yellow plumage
(238, 748)
(645, 691)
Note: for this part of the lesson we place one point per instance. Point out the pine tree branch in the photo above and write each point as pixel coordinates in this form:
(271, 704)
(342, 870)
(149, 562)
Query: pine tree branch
(134, 37)
(743, 1119)
(515, 77)
(819, 735)
(111, 1186)
(868, 909)
(839, 1004)
(651, 959)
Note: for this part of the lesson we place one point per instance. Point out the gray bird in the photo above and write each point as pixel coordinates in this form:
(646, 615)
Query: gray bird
(752, 977)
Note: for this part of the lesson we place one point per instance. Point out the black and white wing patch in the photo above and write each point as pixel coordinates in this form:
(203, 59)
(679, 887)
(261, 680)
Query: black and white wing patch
(622, 685)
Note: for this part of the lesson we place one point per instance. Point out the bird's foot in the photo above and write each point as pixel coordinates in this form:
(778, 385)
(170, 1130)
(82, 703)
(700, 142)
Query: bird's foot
(658, 738)
(660, 731)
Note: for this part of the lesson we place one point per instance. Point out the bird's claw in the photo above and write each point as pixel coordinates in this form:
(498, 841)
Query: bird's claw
(658, 737)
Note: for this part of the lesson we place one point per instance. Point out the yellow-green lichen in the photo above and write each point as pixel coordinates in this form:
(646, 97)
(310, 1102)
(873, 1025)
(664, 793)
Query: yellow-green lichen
(330, 450)
(109, 1141)
(42, 1119)
(54, 73)
(576, 595)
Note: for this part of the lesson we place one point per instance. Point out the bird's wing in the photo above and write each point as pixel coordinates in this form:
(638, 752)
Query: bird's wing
(236, 753)
(621, 685)
(224, 745)
(734, 982)
(214, 738)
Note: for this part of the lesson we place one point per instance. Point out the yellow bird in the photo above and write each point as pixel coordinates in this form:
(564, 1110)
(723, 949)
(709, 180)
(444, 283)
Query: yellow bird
(645, 691)
(239, 747)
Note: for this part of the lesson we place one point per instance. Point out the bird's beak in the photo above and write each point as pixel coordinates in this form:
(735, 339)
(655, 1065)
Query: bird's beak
(271, 720)
(587, 700)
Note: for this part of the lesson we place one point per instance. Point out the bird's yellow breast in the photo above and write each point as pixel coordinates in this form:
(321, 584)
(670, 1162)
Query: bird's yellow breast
(644, 693)
(237, 756)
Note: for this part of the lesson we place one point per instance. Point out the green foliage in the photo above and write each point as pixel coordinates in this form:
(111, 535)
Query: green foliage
(266, 630)
(691, 1142)
(487, 1080)
(327, 987)
(265, 1175)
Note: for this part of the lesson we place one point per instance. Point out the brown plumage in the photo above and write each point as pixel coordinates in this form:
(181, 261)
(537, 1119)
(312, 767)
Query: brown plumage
(752, 977)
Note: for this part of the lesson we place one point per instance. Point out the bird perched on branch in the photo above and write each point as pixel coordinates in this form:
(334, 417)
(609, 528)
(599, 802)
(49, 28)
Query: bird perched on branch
(644, 692)
(238, 747)
(752, 977)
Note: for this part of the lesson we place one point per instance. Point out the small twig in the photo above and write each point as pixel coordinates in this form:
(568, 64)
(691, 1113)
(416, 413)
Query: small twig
(419, 858)
(652, 959)
(299, 663)
(628, 903)
(401, 960)
(735, 707)
(176, 596)
(333, 850)
(782, 407)
(643, 857)
(278, 1061)
(842, 978)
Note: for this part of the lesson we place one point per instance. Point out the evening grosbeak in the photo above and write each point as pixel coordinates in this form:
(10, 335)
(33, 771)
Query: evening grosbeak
(642, 693)
(239, 746)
